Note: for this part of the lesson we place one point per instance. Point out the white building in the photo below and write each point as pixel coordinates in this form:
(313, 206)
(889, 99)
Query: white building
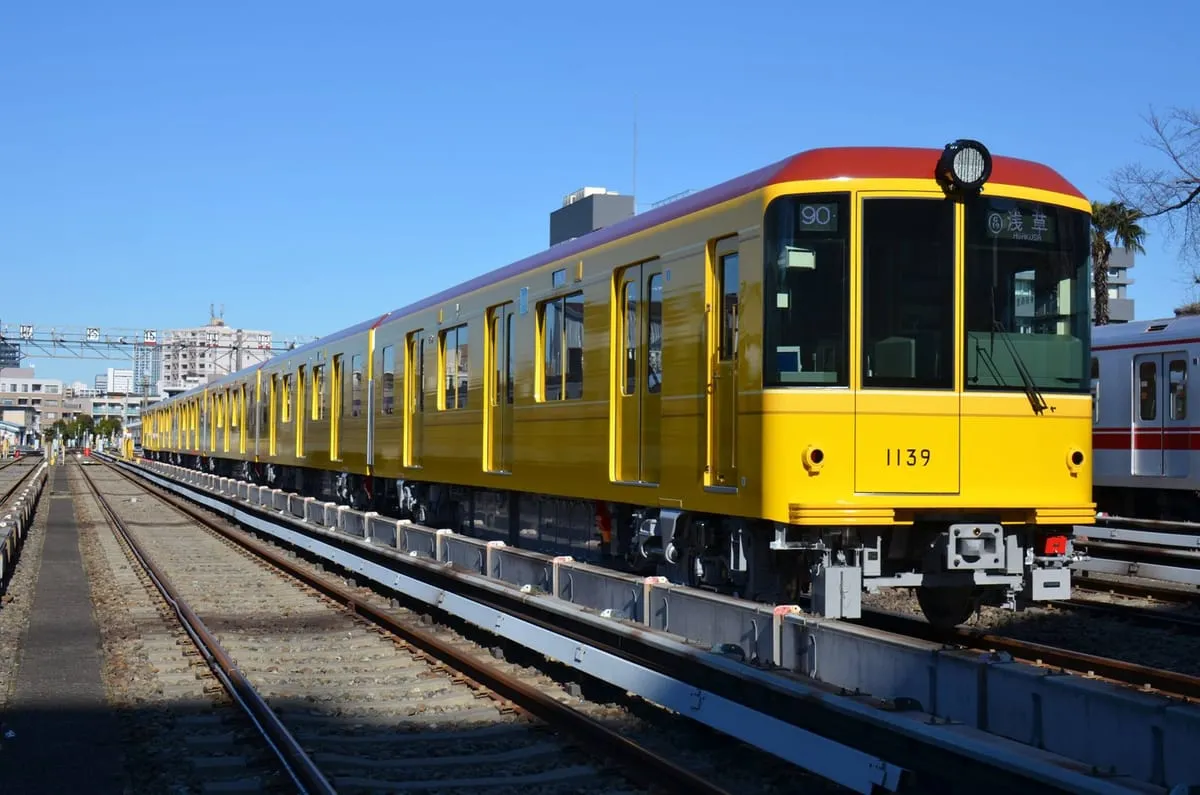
(115, 382)
(193, 356)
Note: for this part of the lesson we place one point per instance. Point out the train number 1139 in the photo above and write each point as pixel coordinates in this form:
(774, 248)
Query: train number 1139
(908, 457)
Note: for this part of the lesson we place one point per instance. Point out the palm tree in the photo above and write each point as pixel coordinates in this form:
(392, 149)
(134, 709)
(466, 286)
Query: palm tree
(1119, 221)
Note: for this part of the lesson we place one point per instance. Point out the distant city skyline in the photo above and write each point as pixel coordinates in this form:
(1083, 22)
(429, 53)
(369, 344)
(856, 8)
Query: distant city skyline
(143, 361)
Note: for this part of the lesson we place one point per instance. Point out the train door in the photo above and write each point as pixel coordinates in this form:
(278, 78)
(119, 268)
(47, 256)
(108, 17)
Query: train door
(414, 398)
(336, 390)
(637, 441)
(499, 370)
(724, 286)
(299, 411)
(907, 411)
(206, 440)
(1160, 443)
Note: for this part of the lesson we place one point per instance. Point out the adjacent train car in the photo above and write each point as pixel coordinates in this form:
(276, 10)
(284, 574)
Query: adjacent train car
(855, 368)
(1147, 448)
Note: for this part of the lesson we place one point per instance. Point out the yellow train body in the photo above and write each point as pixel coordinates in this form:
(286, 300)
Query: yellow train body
(642, 369)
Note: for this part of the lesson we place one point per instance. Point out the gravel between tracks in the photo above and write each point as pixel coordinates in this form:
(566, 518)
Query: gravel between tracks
(348, 692)
(1067, 629)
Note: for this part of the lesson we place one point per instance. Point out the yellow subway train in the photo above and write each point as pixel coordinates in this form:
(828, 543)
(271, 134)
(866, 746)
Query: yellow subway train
(852, 369)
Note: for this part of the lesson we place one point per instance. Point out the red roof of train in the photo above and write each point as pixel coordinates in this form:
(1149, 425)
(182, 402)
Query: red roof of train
(883, 162)
(848, 162)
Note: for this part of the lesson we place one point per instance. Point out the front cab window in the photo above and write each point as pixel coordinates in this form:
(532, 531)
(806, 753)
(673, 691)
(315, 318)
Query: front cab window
(806, 291)
(1027, 300)
(908, 293)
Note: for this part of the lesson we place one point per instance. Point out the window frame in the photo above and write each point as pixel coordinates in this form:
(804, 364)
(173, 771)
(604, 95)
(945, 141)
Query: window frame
(947, 381)
(544, 375)
(774, 328)
(461, 385)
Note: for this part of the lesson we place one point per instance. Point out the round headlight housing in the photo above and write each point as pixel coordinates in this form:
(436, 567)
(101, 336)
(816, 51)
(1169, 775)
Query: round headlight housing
(964, 165)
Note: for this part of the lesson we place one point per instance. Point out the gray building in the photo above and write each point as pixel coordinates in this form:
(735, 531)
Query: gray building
(147, 369)
(587, 210)
(1120, 305)
(10, 354)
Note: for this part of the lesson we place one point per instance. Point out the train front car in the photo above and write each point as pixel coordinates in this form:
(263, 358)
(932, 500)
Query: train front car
(926, 408)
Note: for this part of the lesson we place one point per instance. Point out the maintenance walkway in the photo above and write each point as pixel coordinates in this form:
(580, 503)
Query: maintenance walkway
(67, 738)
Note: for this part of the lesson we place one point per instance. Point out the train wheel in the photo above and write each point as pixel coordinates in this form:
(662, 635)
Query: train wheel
(947, 607)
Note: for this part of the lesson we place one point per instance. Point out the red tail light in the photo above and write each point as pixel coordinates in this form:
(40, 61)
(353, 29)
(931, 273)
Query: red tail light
(1054, 545)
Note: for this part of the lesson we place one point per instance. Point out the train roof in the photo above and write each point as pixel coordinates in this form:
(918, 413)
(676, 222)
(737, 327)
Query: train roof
(1146, 333)
(847, 162)
(830, 163)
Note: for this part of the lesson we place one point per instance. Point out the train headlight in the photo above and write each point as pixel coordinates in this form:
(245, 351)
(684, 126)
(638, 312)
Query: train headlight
(964, 165)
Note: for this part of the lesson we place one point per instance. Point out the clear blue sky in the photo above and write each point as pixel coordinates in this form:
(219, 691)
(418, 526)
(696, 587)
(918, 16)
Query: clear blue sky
(311, 164)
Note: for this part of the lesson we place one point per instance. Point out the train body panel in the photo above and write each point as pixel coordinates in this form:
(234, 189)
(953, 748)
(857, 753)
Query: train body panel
(1147, 444)
(809, 362)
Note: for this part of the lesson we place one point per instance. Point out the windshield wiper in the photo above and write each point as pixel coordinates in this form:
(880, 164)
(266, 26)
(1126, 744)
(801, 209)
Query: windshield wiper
(1031, 391)
(983, 355)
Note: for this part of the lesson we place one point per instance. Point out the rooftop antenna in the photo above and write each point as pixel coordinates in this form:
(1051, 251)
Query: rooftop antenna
(635, 142)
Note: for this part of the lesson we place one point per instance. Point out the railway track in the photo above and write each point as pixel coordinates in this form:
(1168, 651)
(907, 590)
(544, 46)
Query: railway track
(1140, 676)
(355, 695)
(1162, 551)
(1158, 618)
(13, 478)
(13, 475)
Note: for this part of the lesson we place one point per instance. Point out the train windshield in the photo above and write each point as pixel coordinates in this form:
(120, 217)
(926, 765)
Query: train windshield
(1027, 296)
(806, 291)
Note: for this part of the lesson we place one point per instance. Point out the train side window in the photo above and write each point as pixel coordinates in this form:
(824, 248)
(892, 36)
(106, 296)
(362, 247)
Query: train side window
(562, 345)
(630, 301)
(654, 337)
(454, 368)
(1095, 390)
(1177, 375)
(265, 405)
(1148, 383)
(318, 392)
(388, 403)
(730, 285)
(509, 319)
(415, 368)
(285, 400)
(356, 385)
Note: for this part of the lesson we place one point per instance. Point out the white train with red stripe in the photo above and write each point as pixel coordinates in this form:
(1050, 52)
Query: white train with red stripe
(1146, 438)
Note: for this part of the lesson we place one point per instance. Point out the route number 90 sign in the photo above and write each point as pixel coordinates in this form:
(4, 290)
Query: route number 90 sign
(818, 217)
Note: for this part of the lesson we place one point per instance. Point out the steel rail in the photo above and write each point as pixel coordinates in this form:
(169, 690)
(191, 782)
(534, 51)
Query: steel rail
(1164, 524)
(649, 768)
(300, 767)
(1137, 590)
(1147, 617)
(1128, 673)
(20, 482)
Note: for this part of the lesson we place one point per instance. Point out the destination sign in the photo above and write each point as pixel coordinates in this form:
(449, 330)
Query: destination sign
(1025, 222)
(818, 217)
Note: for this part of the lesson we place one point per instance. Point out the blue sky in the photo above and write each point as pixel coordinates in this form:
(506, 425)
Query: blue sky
(311, 164)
